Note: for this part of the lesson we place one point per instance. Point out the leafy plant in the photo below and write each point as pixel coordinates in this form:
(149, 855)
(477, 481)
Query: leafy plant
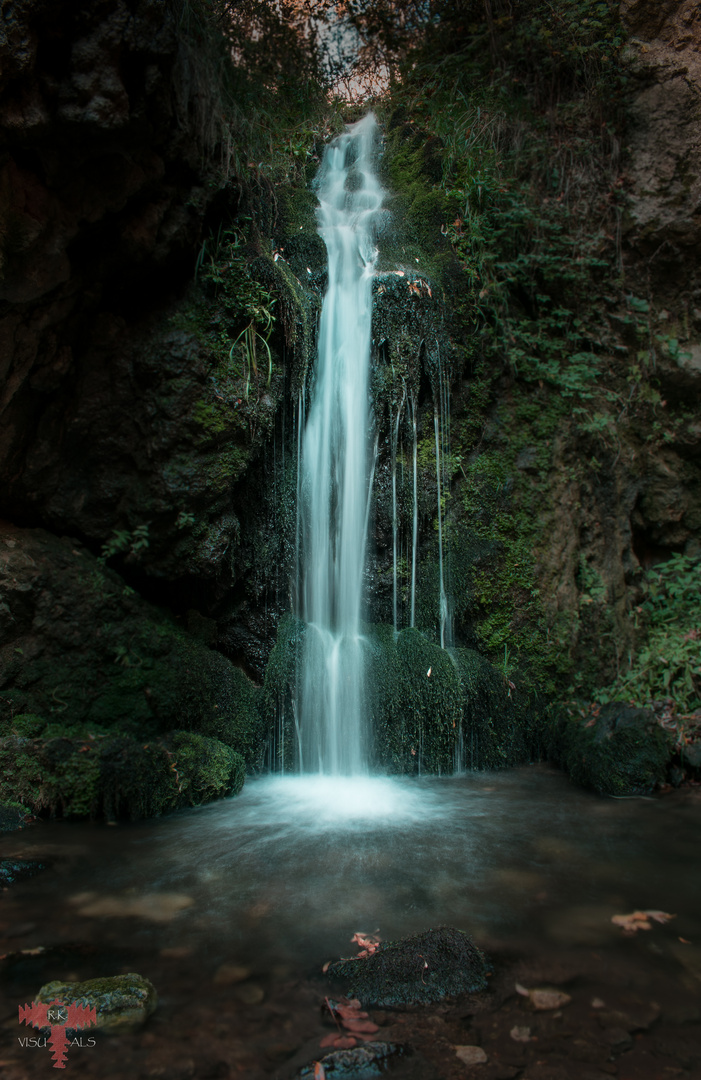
(122, 540)
(668, 664)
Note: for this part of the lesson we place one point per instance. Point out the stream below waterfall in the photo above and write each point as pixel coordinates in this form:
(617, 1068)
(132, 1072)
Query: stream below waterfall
(232, 909)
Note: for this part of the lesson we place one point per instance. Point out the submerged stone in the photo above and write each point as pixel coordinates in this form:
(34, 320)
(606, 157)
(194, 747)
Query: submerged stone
(371, 1059)
(415, 970)
(122, 1003)
(12, 870)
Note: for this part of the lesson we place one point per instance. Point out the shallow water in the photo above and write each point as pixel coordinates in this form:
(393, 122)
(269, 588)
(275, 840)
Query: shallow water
(288, 871)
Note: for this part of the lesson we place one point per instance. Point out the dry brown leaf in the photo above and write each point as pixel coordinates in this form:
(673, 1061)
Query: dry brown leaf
(640, 920)
(471, 1055)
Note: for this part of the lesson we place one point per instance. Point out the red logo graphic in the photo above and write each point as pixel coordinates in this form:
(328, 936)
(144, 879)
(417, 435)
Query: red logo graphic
(58, 1016)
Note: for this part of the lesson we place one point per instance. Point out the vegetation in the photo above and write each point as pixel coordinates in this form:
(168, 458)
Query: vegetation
(668, 664)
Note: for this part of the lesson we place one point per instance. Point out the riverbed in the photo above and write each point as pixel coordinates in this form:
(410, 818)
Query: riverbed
(232, 910)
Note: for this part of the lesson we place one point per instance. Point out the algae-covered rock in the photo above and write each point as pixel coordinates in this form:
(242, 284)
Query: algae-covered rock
(418, 702)
(114, 775)
(122, 1003)
(369, 1060)
(416, 970)
(619, 751)
(439, 709)
(82, 655)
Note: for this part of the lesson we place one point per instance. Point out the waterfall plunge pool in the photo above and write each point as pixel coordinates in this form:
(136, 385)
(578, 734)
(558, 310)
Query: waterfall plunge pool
(233, 901)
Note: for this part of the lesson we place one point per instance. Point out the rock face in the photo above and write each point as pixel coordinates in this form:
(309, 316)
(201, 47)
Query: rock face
(664, 140)
(157, 323)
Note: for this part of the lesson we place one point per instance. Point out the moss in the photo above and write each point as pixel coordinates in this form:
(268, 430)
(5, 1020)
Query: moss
(436, 710)
(121, 1002)
(279, 694)
(143, 677)
(115, 775)
(499, 725)
(418, 706)
(617, 750)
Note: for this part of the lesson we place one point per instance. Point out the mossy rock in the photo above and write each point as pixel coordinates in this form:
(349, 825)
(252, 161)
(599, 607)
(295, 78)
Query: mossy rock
(499, 726)
(440, 709)
(115, 775)
(122, 1003)
(417, 708)
(416, 970)
(620, 751)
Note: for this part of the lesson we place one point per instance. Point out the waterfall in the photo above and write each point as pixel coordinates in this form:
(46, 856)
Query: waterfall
(335, 465)
(415, 513)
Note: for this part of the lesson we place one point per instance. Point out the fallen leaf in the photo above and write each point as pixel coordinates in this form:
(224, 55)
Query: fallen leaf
(471, 1055)
(340, 1042)
(640, 920)
(368, 942)
(660, 916)
(520, 1034)
(597, 1003)
(684, 941)
(521, 989)
(360, 1027)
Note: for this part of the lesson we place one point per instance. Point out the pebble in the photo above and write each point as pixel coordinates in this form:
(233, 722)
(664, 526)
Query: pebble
(471, 1055)
(231, 973)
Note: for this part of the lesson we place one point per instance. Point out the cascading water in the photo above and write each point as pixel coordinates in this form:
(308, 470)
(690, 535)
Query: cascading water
(335, 465)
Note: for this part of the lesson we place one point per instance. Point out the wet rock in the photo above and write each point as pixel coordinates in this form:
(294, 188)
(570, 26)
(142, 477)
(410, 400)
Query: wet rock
(93, 681)
(418, 969)
(122, 1002)
(620, 750)
(13, 870)
(360, 1063)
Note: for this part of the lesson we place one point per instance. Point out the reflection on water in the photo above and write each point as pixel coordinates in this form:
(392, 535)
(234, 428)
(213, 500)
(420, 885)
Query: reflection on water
(290, 869)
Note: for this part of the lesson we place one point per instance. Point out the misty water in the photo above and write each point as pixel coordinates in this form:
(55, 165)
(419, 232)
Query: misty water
(288, 871)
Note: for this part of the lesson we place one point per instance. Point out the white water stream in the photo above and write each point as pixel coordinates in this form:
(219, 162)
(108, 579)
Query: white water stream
(335, 465)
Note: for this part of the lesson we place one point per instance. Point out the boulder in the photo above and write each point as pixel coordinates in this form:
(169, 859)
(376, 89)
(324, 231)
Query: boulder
(122, 1003)
(617, 750)
(415, 970)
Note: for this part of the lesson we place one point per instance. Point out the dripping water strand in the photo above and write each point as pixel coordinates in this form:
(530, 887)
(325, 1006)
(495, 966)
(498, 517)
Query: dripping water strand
(415, 517)
(395, 440)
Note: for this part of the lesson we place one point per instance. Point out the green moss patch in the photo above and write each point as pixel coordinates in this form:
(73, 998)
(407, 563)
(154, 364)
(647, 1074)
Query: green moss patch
(116, 776)
(617, 750)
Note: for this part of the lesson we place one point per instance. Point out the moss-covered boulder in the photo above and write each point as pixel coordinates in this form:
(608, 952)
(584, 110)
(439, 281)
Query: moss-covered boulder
(617, 750)
(82, 654)
(122, 1003)
(416, 970)
(436, 709)
(417, 708)
(112, 775)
